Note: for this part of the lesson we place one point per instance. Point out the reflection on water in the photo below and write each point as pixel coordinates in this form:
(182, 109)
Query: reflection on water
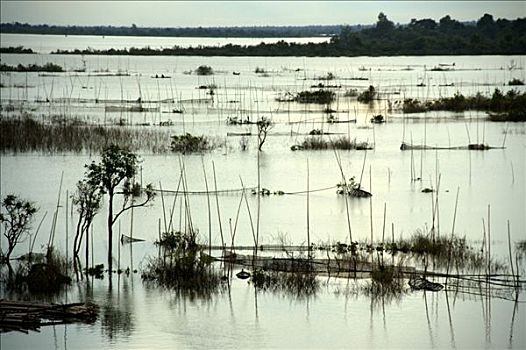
(116, 313)
(137, 315)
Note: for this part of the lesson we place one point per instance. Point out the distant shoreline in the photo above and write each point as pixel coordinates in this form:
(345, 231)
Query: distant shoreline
(423, 37)
(196, 32)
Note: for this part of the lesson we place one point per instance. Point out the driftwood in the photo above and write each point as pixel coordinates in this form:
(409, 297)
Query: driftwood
(24, 316)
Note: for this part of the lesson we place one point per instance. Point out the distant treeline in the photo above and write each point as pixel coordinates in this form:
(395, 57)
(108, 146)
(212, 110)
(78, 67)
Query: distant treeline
(133, 30)
(419, 37)
(17, 49)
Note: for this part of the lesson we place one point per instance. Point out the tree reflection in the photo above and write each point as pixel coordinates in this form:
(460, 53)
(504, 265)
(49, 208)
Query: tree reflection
(116, 316)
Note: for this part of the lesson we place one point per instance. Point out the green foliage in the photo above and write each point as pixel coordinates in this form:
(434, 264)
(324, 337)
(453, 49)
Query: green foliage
(16, 219)
(188, 143)
(204, 70)
(319, 96)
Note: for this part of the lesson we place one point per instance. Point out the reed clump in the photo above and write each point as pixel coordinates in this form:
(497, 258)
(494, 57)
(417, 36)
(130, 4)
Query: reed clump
(189, 143)
(204, 70)
(507, 107)
(368, 95)
(183, 266)
(443, 250)
(299, 284)
(318, 96)
(25, 134)
(39, 273)
(319, 143)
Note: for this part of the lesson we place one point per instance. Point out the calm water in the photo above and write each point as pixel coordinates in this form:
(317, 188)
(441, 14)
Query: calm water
(137, 316)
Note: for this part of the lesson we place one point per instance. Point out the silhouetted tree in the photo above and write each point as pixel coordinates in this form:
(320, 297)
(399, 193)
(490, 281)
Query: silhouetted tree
(16, 221)
(117, 166)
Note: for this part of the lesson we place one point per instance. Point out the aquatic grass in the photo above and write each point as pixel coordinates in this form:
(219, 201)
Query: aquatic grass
(183, 266)
(296, 284)
(444, 249)
(25, 134)
(342, 143)
(508, 107)
(40, 274)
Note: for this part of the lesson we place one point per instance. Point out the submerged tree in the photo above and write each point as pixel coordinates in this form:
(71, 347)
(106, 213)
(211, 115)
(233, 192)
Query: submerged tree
(117, 166)
(264, 126)
(16, 221)
(87, 199)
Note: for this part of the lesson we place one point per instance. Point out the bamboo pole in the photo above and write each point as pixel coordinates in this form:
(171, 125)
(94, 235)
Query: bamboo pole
(218, 211)
(511, 258)
(308, 217)
(338, 160)
(371, 203)
(164, 210)
(249, 213)
(452, 233)
(209, 212)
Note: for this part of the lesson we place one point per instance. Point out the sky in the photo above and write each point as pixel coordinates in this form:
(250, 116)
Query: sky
(246, 13)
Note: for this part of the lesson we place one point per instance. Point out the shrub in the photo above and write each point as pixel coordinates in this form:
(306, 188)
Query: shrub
(204, 70)
(367, 95)
(183, 266)
(189, 143)
(516, 82)
(319, 96)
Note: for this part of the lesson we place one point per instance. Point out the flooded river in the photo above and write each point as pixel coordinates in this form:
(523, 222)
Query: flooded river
(136, 315)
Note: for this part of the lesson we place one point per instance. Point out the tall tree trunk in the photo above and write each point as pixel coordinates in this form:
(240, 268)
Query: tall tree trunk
(110, 230)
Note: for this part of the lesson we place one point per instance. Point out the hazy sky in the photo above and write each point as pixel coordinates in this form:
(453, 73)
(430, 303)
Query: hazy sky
(242, 13)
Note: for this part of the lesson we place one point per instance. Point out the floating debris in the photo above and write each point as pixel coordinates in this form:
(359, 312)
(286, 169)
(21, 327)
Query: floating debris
(243, 275)
(128, 239)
